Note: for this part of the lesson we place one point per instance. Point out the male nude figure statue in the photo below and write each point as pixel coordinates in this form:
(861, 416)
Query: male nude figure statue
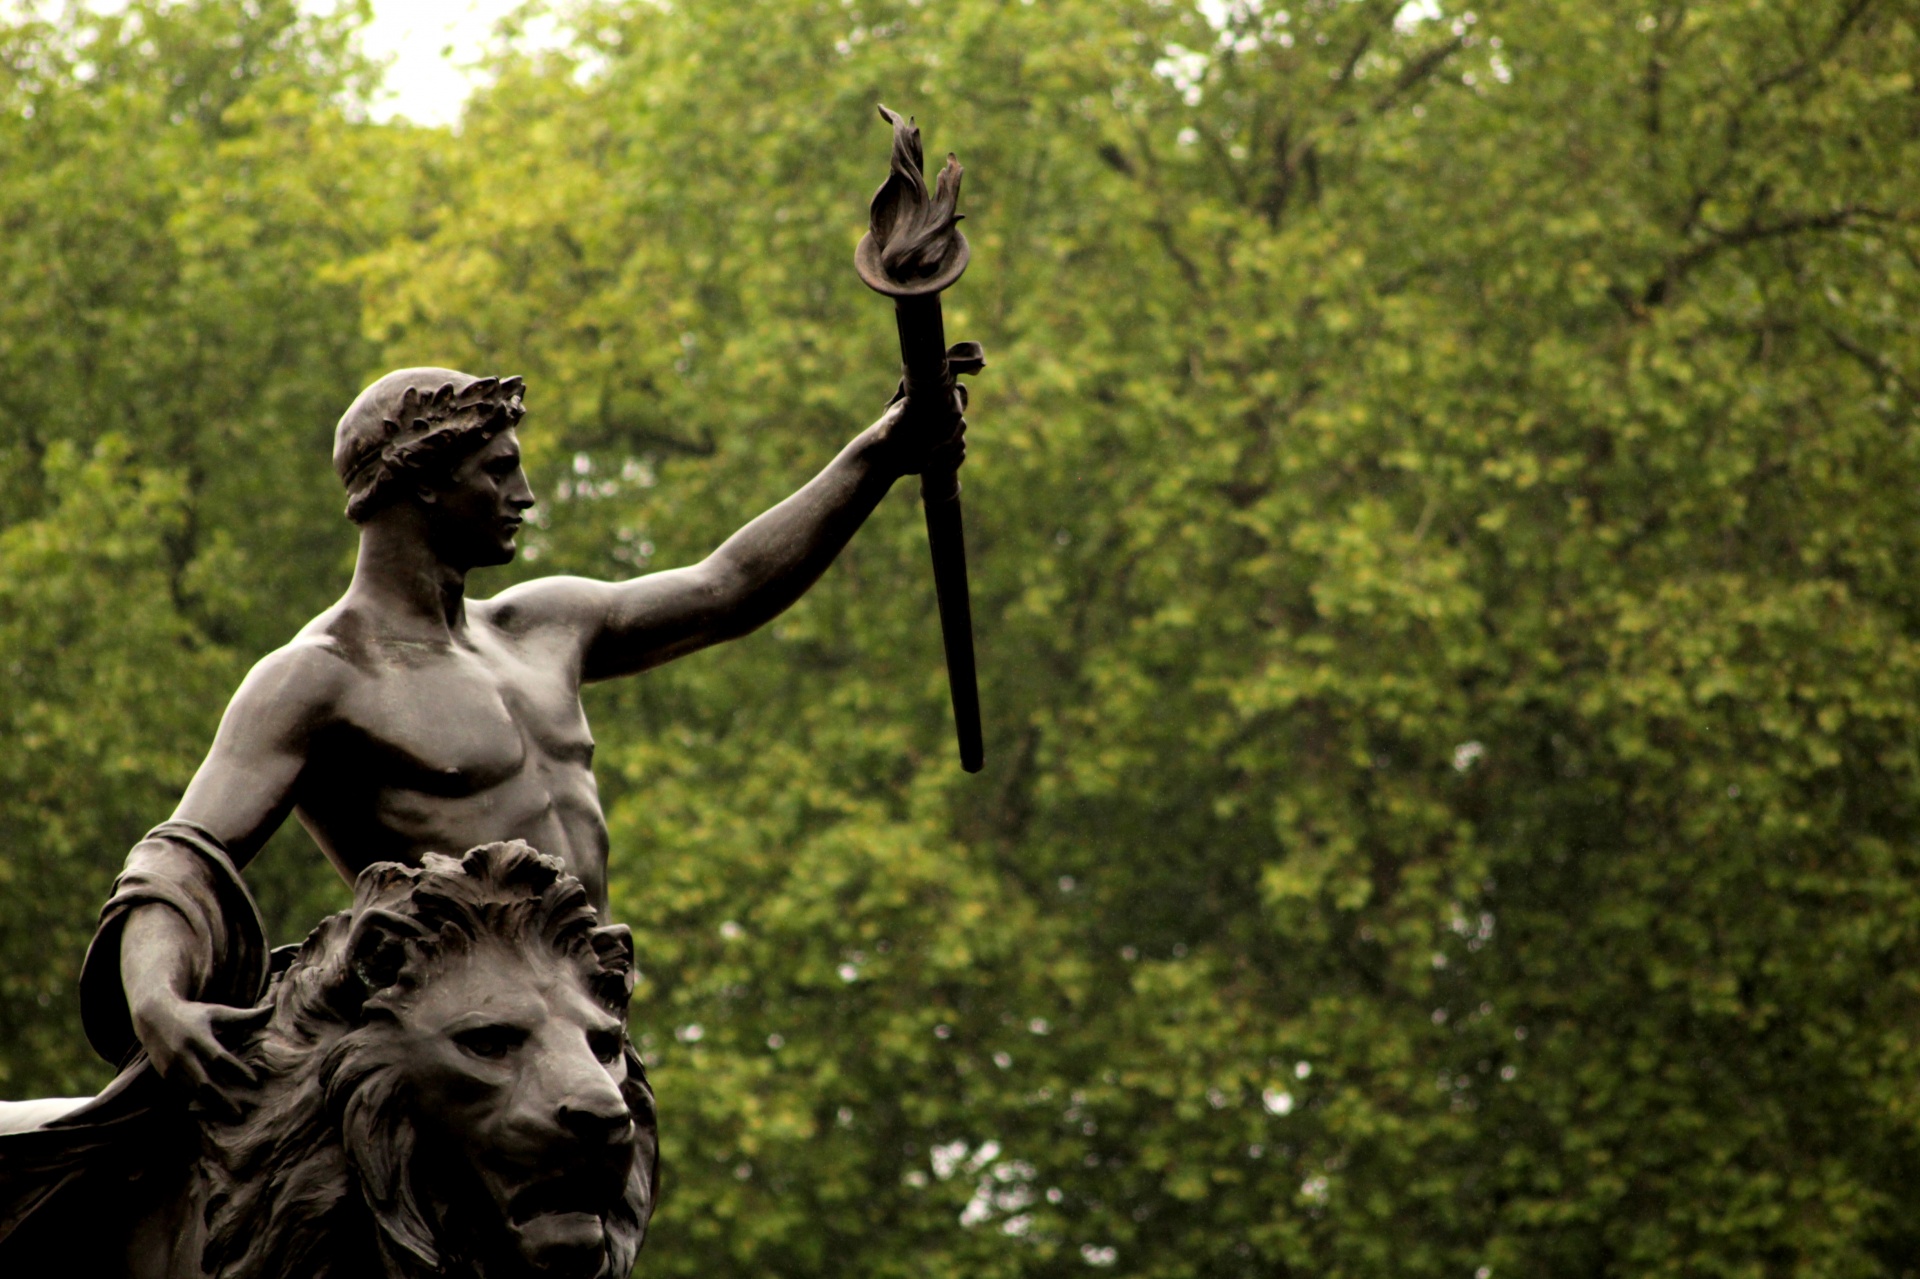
(409, 719)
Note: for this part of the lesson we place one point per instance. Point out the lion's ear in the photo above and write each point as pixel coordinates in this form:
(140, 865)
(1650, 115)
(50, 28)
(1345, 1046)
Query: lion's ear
(613, 943)
(613, 946)
(377, 946)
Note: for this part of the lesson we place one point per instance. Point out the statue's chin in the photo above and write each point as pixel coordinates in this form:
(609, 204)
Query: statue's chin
(565, 1245)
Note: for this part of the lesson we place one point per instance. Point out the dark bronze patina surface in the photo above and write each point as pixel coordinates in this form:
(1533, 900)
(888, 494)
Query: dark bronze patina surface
(405, 722)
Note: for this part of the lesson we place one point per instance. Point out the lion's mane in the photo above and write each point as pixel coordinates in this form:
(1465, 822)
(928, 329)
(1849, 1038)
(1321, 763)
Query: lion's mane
(319, 1177)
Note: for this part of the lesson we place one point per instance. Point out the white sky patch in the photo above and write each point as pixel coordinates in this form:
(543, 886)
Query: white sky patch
(1415, 12)
(432, 48)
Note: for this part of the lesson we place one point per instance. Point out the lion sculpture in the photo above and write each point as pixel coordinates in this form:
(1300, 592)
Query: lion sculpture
(445, 1087)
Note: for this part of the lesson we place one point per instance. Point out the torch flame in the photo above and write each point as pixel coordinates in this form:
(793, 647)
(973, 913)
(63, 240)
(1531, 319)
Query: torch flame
(915, 233)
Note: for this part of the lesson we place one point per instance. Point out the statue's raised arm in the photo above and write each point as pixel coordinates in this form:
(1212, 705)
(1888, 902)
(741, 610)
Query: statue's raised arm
(753, 576)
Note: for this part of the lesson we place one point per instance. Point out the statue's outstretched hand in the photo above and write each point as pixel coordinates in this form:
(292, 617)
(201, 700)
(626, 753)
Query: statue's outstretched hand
(189, 1045)
(932, 436)
(919, 440)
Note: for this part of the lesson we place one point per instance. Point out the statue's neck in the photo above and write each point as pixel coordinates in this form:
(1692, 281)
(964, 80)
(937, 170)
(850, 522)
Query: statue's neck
(400, 578)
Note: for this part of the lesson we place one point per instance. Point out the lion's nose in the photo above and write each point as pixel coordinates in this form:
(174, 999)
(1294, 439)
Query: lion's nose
(595, 1120)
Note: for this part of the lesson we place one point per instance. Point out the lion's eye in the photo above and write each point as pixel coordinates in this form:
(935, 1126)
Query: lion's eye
(491, 1042)
(605, 1045)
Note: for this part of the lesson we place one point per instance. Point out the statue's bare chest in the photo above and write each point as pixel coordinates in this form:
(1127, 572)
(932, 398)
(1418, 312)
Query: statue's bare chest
(456, 721)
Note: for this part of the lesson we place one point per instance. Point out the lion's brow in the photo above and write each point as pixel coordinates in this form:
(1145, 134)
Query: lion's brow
(481, 1018)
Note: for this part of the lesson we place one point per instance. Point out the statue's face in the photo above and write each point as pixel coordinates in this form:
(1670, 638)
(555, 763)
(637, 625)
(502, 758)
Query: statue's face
(478, 508)
(518, 1072)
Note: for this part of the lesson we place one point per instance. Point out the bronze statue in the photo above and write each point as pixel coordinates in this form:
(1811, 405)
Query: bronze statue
(403, 722)
(444, 1086)
(407, 719)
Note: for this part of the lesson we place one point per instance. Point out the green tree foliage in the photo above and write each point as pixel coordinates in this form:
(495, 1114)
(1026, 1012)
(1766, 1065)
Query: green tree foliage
(174, 181)
(1441, 508)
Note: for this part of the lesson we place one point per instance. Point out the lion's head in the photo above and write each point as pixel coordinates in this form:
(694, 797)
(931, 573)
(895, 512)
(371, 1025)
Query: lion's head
(447, 1088)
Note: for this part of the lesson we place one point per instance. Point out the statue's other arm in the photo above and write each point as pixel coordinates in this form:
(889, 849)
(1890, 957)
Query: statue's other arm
(753, 576)
(244, 789)
(173, 931)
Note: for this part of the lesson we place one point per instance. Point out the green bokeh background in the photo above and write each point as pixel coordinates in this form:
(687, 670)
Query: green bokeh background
(1443, 510)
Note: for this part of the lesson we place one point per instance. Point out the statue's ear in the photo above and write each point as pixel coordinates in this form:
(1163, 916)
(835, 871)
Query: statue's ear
(613, 946)
(377, 946)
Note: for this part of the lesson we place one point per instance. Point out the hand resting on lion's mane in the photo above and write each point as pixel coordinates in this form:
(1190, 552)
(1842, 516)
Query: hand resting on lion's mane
(443, 1086)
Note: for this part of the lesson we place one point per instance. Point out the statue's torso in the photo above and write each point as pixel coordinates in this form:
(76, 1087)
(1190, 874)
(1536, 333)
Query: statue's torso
(438, 747)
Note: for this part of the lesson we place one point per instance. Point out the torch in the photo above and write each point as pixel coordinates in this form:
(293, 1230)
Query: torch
(913, 250)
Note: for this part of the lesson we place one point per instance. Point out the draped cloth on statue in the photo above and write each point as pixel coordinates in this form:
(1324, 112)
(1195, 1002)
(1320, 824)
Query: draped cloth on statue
(137, 1130)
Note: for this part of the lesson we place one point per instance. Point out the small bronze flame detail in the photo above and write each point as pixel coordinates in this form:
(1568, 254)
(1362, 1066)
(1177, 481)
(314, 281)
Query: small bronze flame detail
(915, 233)
(914, 246)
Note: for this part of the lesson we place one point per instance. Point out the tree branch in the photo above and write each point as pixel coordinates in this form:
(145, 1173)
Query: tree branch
(1874, 362)
(1754, 231)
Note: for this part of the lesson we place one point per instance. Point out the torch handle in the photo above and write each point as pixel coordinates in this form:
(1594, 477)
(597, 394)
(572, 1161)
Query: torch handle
(923, 356)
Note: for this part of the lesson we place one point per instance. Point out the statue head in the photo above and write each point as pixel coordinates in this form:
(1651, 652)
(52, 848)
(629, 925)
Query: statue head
(441, 442)
(447, 1088)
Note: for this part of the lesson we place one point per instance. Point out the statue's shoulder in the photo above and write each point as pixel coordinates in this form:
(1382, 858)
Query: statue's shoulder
(316, 666)
(557, 600)
(306, 653)
(344, 637)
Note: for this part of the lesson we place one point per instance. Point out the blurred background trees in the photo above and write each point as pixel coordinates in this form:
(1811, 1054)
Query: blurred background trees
(1442, 509)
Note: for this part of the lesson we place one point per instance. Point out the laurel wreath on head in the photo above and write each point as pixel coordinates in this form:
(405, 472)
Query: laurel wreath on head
(426, 429)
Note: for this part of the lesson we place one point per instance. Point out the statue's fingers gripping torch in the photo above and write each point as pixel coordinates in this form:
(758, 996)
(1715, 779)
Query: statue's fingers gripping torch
(913, 250)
